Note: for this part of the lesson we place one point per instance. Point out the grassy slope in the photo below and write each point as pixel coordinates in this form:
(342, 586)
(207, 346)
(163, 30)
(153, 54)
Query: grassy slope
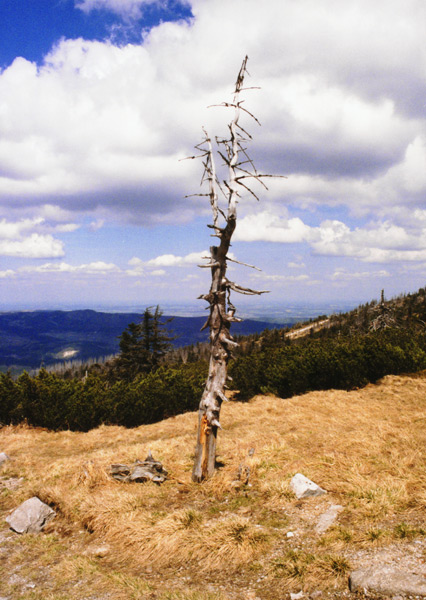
(217, 540)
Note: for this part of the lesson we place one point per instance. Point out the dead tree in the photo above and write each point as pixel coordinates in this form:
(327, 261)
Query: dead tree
(385, 316)
(240, 168)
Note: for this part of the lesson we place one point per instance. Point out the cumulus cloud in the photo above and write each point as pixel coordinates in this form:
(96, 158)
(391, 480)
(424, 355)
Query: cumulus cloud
(139, 267)
(292, 278)
(98, 129)
(266, 226)
(34, 246)
(124, 8)
(341, 101)
(379, 242)
(31, 238)
(170, 260)
(344, 275)
(94, 268)
(382, 243)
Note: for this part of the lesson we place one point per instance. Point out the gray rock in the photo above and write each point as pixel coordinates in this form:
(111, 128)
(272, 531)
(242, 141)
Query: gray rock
(327, 518)
(388, 581)
(31, 516)
(304, 487)
(3, 458)
(140, 471)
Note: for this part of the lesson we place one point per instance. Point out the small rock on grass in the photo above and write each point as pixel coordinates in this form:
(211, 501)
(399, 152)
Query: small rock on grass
(31, 516)
(304, 487)
(3, 458)
(140, 471)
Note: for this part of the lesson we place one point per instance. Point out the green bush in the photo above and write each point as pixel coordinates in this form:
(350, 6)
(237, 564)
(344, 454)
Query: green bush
(325, 363)
(47, 400)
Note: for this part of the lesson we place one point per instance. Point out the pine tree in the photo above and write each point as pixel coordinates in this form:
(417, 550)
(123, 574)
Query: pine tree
(143, 345)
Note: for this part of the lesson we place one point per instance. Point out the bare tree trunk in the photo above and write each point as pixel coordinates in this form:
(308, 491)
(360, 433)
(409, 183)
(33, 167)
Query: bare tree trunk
(222, 311)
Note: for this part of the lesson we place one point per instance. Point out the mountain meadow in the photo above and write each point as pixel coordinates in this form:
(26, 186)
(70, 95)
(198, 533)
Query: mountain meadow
(340, 399)
(226, 538)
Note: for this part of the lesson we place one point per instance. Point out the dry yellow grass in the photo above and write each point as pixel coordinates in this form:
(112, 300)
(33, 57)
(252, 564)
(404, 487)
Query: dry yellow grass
(366, 447)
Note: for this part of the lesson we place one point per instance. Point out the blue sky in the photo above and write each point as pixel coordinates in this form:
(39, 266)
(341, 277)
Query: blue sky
(100, 99)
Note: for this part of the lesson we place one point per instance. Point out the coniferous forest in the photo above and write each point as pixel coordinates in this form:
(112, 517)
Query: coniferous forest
(149, 380)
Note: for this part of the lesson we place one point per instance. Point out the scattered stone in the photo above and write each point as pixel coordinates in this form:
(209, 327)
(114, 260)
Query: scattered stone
(31, 516)
(304, 487)
(16, 579)
(389, 581)
(98, 551)
(3, 458)
(290, 534)
(328, 518)
(140, 471)
(297, 596)
(11, 483)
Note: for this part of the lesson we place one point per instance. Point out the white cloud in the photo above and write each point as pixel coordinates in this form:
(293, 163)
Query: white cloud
(170, 260)
(7, 273)
(341, 102)
(96, 225)
(266, 226)
(380, 242)
(34, 246)
(125, 8)
(155, 266)
(66, 228)
(52, 212)
(98, 129)
(18, 238)
(11, 230)
(94, 268)
(344, 275)
(292, 278)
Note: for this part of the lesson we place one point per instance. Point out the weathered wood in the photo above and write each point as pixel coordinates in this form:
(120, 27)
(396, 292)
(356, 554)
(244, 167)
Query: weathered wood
(140, 471)
(221, 309)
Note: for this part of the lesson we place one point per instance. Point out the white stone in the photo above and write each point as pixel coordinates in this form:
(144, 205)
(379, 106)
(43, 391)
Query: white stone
(327, 518)
(290, 534)
(297, 596)
(31, 516)
(304, 487)
(3, 457)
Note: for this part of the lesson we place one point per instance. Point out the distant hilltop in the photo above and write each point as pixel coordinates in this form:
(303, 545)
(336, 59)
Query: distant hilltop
(33, 338)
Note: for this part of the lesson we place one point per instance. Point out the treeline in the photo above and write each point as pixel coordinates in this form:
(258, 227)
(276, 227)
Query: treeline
(319, 362)
(149, 381)
(48, 400)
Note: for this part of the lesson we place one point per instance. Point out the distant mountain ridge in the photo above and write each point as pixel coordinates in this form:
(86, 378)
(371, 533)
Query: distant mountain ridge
(29, 339)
